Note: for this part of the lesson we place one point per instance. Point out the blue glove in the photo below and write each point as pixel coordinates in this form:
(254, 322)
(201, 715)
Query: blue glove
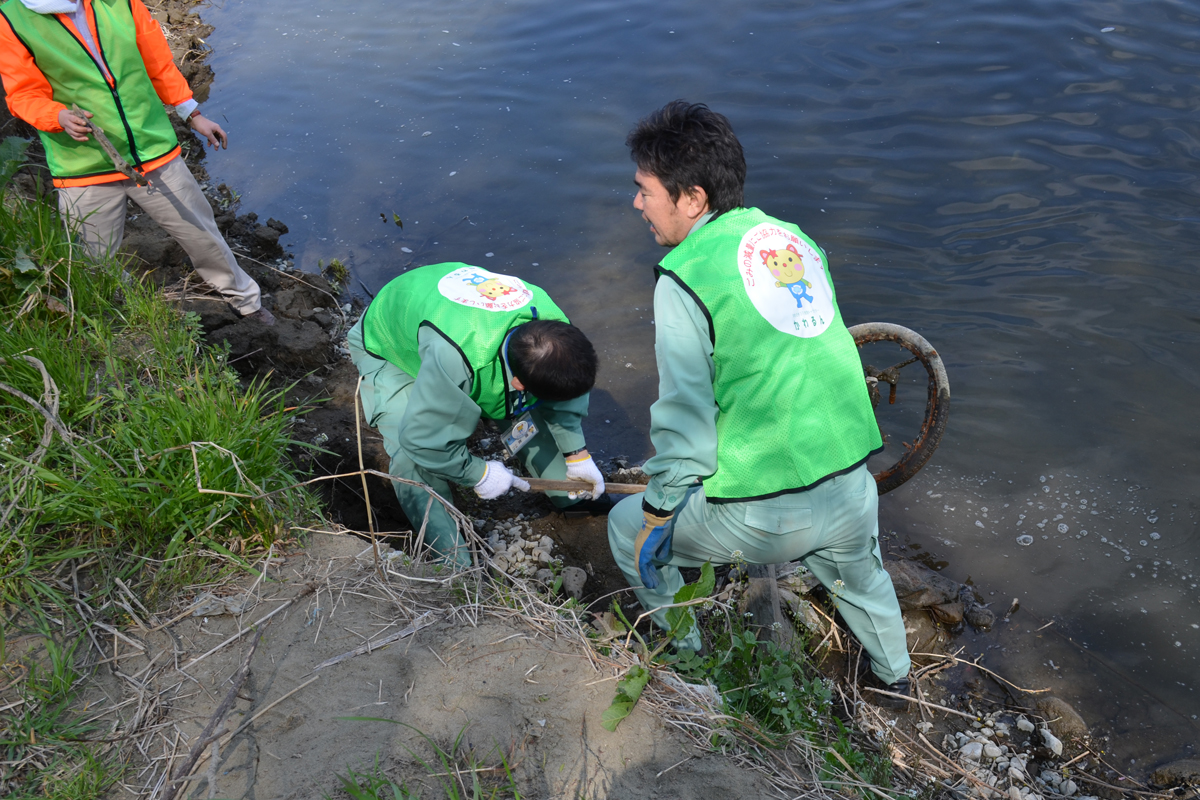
(653, 542)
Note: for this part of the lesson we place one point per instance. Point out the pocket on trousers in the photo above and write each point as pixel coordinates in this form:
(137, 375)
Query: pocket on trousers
(779, 520)
(860, 482)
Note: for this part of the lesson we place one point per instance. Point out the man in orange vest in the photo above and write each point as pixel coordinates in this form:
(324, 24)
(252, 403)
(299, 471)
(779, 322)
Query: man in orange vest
(112, 60)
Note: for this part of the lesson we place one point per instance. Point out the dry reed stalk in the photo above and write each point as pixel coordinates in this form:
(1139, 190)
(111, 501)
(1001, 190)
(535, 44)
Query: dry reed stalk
(305, 590)
(955, 660)
(366, 491)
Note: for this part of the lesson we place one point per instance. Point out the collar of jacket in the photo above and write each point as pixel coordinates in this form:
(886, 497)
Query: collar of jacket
(51, 6)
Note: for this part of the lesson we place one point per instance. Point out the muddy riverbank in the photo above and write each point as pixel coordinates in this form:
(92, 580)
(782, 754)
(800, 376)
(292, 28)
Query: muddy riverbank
(304, 354)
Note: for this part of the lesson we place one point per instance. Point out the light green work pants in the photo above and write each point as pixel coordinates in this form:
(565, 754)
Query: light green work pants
(385, 391)
(832, 528)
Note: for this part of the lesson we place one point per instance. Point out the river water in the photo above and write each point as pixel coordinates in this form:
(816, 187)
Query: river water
(1016, 181)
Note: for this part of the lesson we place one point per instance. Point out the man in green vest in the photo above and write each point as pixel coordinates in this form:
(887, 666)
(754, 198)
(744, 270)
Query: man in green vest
(443, 345)
(763, 425)
(110, 58)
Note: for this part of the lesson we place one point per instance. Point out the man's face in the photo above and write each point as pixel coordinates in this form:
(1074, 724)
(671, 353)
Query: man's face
(670, 220)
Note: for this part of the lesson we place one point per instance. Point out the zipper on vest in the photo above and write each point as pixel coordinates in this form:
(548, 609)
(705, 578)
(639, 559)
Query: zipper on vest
(112, 87)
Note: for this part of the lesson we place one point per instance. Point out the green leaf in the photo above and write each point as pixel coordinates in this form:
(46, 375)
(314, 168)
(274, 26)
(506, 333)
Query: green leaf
(12, 157)
(629, 689)
(681, 620)
(396, 219)
(23, 263)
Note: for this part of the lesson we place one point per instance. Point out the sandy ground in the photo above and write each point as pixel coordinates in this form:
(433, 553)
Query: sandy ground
(502, 688)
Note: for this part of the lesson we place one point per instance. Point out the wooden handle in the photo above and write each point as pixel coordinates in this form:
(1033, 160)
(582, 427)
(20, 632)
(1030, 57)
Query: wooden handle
(544, 485)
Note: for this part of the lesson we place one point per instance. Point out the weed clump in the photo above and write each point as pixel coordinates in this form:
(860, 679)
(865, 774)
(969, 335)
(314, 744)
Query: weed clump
(127, 453)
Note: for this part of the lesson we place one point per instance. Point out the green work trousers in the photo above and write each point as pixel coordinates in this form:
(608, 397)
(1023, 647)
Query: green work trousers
(832, 528)
(385, 391)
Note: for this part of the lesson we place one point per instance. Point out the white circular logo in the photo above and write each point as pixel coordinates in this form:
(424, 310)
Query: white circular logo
(478, 288)
(787, 280)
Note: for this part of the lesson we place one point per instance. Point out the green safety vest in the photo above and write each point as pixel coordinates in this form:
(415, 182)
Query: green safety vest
(789, 385)
(471, 308)
(129, 111)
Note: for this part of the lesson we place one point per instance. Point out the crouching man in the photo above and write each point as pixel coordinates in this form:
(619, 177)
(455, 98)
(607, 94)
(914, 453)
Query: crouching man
(763, 426)
(439, 347)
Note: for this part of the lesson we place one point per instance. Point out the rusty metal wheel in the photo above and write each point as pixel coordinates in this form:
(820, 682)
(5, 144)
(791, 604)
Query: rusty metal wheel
(937, 403)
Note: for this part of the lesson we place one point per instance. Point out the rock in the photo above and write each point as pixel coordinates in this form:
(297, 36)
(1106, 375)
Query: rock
(921, 631)
(971, 750)
(266, 238)
(949, 614)
(544, 576)
(501, 563)
(920, 587)
(1014, 792)
(213, 313)
(979, 617)
(1068, 788)
(277, 225)
(1024, 725)
(992, 751)
(542, 556)
(573, 579)
(1015, 773)
(1177, 773)
(546, 543)
(1052, 742)
(1063, 720)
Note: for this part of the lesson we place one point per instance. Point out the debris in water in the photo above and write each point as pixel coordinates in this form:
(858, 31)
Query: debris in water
(1025, 540)
(427, 133)
(396, 219)
(1108, 29)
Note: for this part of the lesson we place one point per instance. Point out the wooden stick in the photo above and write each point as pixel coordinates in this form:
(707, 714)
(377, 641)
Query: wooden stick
(547, 485)
(971, 717)
(207, 735)
(423, 621)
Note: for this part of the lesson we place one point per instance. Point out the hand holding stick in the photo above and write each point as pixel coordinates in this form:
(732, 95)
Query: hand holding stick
(77, 124)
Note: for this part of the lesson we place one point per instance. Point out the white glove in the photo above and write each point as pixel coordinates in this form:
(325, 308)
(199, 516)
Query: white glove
(498, 479)
(581, 467)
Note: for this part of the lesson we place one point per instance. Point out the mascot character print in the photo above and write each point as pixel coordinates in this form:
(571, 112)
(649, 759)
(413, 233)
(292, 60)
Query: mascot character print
(787, 280)
(488, 291)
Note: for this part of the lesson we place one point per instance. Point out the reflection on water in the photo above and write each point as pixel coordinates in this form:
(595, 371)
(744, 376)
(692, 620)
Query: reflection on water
(1017, 182)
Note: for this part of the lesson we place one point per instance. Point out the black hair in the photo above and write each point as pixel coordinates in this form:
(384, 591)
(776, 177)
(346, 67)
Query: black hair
(553, 359)
(688, 144)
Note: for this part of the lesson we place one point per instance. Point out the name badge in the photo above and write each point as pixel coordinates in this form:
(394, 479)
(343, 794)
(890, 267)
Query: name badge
(519, 434)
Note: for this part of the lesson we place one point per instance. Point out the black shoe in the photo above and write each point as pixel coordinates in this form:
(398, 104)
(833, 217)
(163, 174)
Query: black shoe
(599, 507)
(900, 687)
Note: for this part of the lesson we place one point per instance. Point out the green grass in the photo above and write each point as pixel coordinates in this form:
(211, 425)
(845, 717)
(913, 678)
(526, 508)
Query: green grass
(127, 450)
(455, 778)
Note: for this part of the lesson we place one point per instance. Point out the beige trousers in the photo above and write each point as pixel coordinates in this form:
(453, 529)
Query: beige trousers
(175, 202)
